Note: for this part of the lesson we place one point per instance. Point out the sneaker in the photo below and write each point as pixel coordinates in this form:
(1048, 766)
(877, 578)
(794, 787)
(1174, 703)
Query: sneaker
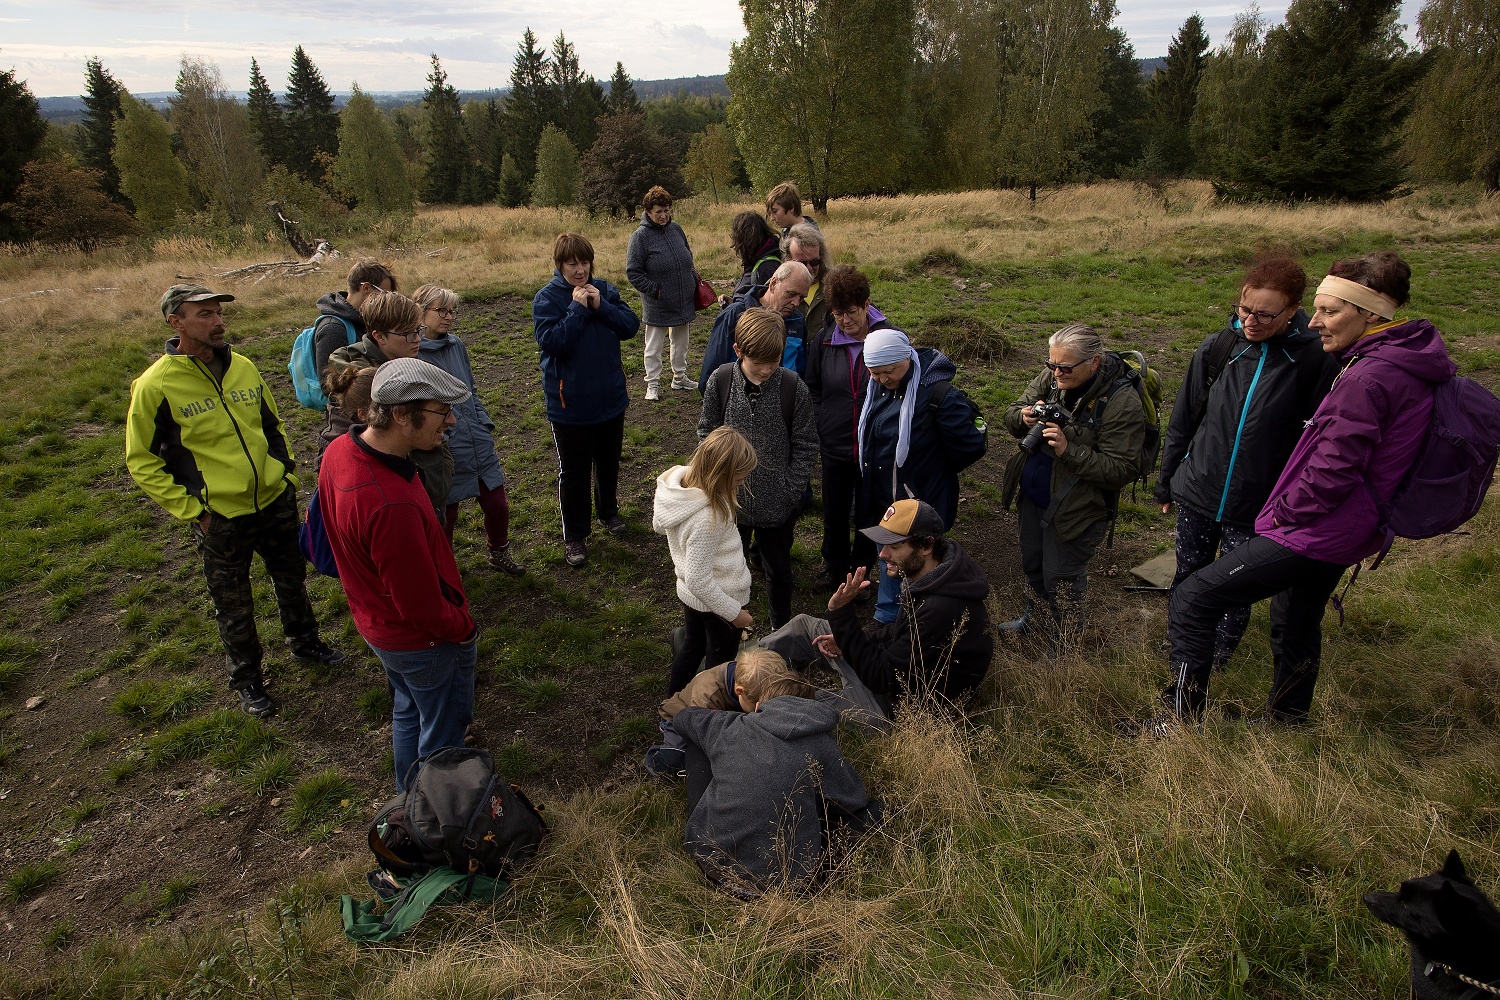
(683, 382)
(319, 651)
(615, 525)
(1158, 727)
(255, 701)
(652, 392)
(576, 553)
(502, 560)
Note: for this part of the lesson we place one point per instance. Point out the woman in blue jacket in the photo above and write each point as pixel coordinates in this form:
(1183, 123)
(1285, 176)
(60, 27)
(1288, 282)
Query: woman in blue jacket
(579, 321)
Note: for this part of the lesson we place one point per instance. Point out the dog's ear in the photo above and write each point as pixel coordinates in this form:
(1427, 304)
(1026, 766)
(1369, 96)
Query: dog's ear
(1454, 868)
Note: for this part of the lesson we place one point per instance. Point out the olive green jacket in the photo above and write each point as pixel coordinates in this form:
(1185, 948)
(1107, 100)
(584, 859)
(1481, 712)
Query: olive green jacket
(1103, 455)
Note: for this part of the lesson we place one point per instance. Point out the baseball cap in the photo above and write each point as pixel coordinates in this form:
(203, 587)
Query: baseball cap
(903, 519)
(412, 380)
(173, 298)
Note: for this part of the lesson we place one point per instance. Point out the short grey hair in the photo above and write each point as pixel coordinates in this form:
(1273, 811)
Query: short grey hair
(808, 236)
(1080, 339)
(435, 297)
(790, 268)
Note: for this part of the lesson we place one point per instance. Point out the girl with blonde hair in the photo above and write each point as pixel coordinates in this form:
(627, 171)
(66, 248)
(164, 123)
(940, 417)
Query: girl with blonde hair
(696, 508)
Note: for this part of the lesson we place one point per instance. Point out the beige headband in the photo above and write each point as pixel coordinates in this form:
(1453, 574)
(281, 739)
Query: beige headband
(1360, 295)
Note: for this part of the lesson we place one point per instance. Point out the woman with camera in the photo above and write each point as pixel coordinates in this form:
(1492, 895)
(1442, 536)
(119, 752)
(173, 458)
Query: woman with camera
(1325, 512)
(1082, 425)
(1247, 392)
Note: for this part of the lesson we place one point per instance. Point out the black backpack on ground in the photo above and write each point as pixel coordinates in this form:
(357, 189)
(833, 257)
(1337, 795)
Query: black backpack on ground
(456, 811)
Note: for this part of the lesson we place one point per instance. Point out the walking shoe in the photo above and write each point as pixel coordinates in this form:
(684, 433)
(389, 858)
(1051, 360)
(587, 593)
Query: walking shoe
(683, 382)
(615, 525)
(652, 392)
(254, 701)
(575, 553)
(319, 651)
(502, 560)
(1158, 727)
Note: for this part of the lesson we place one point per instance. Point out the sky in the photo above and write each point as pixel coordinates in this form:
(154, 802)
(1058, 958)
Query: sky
(383, 45)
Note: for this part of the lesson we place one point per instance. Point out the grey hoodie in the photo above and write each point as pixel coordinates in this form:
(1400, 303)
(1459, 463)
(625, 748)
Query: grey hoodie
(776, 771)
(785, 455)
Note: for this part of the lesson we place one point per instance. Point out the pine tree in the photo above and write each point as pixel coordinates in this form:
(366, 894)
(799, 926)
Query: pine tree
(1454, 131)
(445, 146)
(213, 130)
(621, 92)
(556, 181)
(312, 126)
(267, 122)
(530, 105)
(1173, 93)
(1336, 88)
(150, 176)
(21, 133)
(370, 170)
(625, 161)
(513, 188)
(578, 98)
(102, 100)
(1118, 124)
(819, 93)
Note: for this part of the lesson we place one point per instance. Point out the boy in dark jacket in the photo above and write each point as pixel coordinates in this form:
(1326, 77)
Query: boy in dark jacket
(751, 395)
(769, 792)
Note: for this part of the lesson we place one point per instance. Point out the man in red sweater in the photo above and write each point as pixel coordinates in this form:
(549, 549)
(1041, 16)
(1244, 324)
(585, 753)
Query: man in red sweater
(395, 561)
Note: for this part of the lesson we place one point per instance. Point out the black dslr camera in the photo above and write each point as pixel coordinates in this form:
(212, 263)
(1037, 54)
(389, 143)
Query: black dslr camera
(1045, 413)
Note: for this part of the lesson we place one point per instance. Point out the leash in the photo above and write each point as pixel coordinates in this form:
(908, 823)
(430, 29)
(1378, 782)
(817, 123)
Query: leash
(1467, 980)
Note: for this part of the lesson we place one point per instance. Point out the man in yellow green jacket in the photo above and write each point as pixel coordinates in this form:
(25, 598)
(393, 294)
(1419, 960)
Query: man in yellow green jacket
(204, 440)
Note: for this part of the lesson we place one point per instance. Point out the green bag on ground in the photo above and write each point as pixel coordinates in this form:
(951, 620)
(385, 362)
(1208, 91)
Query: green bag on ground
(438, 887)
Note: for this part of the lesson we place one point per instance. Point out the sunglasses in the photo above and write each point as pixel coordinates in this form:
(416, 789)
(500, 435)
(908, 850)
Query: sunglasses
(1057, 369)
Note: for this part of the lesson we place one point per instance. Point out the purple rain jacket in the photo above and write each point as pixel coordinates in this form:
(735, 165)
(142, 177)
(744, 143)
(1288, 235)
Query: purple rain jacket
(1358, 446)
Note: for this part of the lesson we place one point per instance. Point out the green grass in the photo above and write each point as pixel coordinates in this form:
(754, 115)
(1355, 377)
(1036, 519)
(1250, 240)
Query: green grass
(93, 739)
(148, 702)
(374, 705)
(274, 770)
(30, 879)
(227, 739)
(635, 733)
(59, 935)
(321, 802)
(84, 810)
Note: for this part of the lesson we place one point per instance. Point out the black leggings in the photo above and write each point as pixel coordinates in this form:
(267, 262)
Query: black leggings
(1299, 588)
(583, 449)
(704, 632)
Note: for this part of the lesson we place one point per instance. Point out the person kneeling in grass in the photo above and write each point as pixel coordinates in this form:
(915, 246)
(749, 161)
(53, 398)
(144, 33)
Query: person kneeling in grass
(769, 792)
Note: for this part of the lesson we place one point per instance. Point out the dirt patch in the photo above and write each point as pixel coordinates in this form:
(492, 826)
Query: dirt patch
(230, 848)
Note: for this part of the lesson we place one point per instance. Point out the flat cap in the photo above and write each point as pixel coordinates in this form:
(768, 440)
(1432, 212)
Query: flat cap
(173, 298)
(411, 380)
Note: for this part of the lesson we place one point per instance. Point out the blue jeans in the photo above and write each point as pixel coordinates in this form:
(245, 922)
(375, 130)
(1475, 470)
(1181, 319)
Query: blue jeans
(433, 691)
(887, 595)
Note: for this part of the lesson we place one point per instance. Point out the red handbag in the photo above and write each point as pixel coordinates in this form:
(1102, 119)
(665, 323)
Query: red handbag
(705, 295)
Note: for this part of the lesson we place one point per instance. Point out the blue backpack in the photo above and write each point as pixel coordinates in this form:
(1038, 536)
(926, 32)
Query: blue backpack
(312, 539)
(1453, 471)
(306, 381)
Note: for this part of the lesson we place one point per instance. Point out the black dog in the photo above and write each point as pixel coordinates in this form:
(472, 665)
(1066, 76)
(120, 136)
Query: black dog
(1449, 922)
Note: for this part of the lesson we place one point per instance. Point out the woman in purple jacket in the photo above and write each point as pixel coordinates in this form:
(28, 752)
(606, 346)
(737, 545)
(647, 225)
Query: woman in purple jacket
(1323, 514)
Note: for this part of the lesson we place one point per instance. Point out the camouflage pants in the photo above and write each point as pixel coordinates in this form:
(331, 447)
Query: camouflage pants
(227, 547)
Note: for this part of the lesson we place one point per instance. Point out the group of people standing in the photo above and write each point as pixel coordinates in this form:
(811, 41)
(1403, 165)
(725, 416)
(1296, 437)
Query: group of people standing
(1289, 436)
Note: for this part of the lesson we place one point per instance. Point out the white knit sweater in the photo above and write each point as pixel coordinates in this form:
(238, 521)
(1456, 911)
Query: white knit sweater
(706, 554)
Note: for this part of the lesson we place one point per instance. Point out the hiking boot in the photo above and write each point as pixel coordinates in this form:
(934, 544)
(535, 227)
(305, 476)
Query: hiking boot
(615, 525)
(1016, 627)
(652, 392)
(319, 651)
(1158, 727)
(575, 553)
(683, 382)
(502, 560)
(255, 701)
(665, 763)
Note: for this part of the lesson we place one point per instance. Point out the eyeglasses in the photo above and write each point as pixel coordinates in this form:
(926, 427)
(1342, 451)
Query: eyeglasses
(444, 414)
(445, 313)
(1054, 367)
(1246, 313)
